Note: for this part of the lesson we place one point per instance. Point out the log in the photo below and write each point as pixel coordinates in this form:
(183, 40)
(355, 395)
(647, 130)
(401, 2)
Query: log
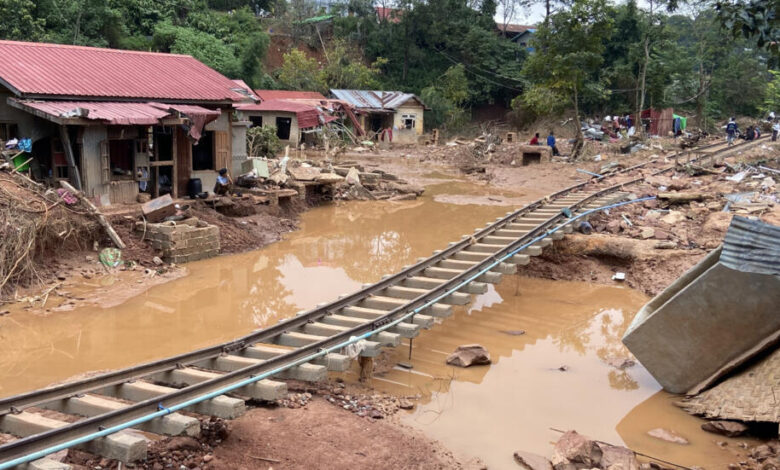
(98, 215)
(682, 198)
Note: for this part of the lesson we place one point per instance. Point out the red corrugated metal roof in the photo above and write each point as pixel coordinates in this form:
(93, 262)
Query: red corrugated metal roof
(308, 116)
(265, 95)
(39, 69)
(143, 114)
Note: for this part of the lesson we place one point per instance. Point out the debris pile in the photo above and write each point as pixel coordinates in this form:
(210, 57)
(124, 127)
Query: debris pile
(35, 224)
(574, 451)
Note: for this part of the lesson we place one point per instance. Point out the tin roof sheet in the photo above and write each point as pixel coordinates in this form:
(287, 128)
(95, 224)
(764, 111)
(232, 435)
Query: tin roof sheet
(41, 69)
(143, 114)
(372, 99)
(265, 95)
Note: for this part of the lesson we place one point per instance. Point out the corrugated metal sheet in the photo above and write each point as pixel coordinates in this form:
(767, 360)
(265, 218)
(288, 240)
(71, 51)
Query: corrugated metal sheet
(378, 100)
(752, 246)
(266, 95)
(75, 71)
(308, 116)
(143, 114)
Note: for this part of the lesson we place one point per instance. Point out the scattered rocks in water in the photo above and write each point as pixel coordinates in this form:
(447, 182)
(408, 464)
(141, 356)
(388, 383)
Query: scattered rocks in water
(563, 368)
(725, 428)
(668, 436)
(620, 363)
(469, 355)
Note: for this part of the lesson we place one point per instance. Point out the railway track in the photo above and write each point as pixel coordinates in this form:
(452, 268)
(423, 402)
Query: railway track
(216, 380)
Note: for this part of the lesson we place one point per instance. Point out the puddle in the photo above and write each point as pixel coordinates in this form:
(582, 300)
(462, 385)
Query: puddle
(490, 412)
(338, 248)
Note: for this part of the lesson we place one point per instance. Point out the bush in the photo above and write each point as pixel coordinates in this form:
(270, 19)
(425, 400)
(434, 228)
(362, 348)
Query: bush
(262, 142)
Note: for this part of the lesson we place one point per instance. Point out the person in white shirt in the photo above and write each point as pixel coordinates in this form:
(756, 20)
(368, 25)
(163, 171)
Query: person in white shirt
(775, 130)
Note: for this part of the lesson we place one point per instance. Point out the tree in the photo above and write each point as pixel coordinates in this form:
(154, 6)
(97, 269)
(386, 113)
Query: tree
(757, 19)
(345, 68)
(772, 99)
(300, 72)
(18, 20)
(570, 48)
(203, 46)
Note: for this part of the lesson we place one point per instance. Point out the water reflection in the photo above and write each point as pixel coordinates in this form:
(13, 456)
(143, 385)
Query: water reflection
(338, 248)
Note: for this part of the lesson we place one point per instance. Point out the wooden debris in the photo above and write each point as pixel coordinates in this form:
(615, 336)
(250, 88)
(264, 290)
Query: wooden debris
(98, 215)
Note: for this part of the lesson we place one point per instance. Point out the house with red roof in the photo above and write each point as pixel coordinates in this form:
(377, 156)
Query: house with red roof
(115, 123)
(296, 115)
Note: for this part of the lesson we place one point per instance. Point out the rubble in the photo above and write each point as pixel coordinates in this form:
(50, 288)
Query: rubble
(574, 451)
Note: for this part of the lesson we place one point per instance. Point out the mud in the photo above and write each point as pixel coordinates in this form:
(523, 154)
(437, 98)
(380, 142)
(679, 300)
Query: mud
(338, 248)
(568, 370)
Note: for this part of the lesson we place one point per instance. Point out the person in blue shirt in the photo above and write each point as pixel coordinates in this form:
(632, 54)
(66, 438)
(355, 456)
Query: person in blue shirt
(222, 186)
(551, 143)
(731, 131)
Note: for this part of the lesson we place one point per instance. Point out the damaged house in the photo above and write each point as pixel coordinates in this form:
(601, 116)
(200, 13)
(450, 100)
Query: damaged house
(380, 111)
(115, 123)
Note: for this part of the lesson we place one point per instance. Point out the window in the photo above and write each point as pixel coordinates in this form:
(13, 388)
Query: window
(409, 121)
(283, 128)
(257, 121)
(121, 156)
(8, 131)
(203, 153)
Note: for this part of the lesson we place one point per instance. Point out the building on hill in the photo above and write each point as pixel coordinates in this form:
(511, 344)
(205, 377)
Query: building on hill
(394, 114)
(117, 122)
(519, 33)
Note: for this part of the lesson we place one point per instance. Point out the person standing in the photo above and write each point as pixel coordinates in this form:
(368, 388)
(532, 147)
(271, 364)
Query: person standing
(551, 144)
(775, 130)
(731, 131)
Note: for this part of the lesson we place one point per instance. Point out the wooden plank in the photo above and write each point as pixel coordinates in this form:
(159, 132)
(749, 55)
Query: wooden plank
(73, 170)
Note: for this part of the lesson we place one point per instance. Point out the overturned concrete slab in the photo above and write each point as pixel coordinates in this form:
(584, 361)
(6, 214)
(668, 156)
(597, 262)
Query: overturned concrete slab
(720, 313)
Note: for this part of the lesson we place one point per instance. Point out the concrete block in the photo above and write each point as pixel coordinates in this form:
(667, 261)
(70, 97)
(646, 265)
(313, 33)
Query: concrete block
(121, 446)
(296, 339)
(45, 464)
(520, 260)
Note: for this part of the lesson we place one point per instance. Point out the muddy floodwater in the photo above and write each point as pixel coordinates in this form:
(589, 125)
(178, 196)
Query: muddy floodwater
(559, 373)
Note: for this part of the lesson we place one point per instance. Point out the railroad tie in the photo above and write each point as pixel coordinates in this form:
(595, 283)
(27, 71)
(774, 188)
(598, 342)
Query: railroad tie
(333, 361)
(267, 390)
(424, 321)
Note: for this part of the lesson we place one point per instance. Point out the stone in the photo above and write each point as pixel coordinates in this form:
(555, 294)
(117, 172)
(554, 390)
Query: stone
(617, 457)
(405, 404)
(329, 178)
(673, 217)
(725, 428)
(574, 450)
(661, 234)
(182, 443)
(353, 176)
(647, 232)
(659, 180)
(469, 355)
(613, 226)
(530, 461)
(668, 436)
(303, 173)
(157, 261)
(665, 245)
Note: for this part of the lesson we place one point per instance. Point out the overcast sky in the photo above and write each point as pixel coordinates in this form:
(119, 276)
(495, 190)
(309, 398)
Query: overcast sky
(535, 14)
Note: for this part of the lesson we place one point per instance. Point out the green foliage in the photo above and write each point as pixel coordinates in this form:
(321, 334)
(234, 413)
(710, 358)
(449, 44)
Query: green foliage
(299, 72)
(445, 100)
(203, 46)
(18, 20)
(772, 98)
(756, 19)
(262, 141)
(570, 48)
(345, 68)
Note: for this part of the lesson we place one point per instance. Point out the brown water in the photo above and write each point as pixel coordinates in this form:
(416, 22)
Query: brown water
(492, 411)
(487, 412)
(338, 248)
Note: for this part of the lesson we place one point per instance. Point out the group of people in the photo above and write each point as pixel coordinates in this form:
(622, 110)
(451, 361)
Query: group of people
(550, 142)
(752, 132)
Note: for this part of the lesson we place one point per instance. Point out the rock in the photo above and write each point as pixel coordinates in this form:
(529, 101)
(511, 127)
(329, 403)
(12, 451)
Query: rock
(513, 332)
(278, 177)
(616, 457)
(659, 180)
(668, 436)
(725, 428)
(673, 217)
(665, 245)
(328, 178)
(157, 261)
(469, 355)
(353, 176)
(661, 235)
(405, 404)
(573, 451)
(208, 458)
(404, 197)
(182, 443)
(647, 232)
(303, 173)
(530, 461)
(613, 226)
(677, 185)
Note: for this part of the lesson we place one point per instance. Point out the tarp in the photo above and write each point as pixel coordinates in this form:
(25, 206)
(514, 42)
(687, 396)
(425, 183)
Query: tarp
(683, 121)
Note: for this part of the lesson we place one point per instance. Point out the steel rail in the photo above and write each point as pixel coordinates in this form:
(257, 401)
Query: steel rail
(29, 444)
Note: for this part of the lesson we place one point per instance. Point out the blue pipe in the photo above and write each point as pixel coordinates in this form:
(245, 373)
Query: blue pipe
(590, 173)
(164, 411)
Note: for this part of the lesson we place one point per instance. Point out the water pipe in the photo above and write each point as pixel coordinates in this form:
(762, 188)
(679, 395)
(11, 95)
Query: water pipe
(165, 411)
